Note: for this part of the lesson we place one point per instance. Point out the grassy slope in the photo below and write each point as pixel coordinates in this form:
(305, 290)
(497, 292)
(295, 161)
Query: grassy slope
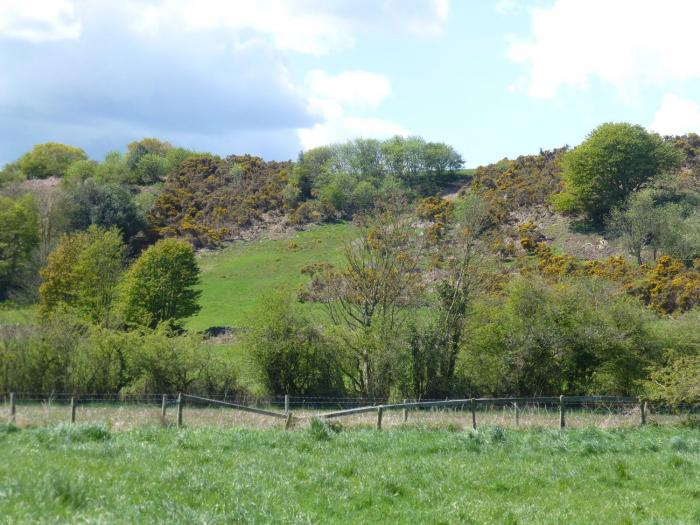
(234, 279)
(85, 474)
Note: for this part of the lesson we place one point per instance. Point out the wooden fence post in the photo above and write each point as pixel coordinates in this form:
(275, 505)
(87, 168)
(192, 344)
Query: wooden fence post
(405, 412)
(72, 410)
(179, 410)
(379, 417)
(163, 406)
(288, 421)
(473, 406)
(562, 420)
(643, 411)
(13, 408)
(286, 403)
(517, 414)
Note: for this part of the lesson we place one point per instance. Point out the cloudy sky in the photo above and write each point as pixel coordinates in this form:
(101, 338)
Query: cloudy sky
(272, 77)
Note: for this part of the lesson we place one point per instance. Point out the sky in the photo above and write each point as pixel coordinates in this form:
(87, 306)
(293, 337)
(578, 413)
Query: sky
(493, 79)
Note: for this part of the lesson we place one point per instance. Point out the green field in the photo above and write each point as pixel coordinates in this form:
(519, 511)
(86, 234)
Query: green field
(152, 475)
(234, 279)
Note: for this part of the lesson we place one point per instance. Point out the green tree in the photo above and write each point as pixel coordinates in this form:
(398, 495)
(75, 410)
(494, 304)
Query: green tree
(49, 160)
(159, 286)
(19, 236)
(104, 205)
(151, 168)
(615, 160)
(639, 224)
(82, 273)
(291, 355)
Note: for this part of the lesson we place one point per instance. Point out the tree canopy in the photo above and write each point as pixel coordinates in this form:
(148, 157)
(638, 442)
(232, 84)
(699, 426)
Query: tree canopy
(615, 160)
(159, 286)
(49, 160)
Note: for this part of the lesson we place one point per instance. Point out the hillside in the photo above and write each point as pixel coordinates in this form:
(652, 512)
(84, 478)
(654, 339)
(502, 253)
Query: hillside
(236, 278)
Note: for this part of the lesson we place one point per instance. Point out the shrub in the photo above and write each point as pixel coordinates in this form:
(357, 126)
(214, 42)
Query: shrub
(292, 356)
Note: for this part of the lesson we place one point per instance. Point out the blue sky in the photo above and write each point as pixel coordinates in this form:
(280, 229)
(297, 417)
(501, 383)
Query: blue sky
(271, 77)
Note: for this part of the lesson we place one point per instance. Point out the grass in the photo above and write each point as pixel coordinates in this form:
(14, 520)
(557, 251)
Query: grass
(234, 279)
(14, 314)
(90, 474)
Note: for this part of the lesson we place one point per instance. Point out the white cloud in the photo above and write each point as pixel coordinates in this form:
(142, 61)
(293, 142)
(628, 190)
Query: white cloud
(313, 27)
(39, 20)
(676, 116)
(624, 43)
(337, 99)
(507, 7)
(346, 128)
(350, 87)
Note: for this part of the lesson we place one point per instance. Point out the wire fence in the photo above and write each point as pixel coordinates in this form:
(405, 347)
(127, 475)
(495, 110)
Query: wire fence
(129, 411)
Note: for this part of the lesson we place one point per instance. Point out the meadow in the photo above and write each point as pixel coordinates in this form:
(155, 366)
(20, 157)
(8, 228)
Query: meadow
(234, 280)
(90, 474)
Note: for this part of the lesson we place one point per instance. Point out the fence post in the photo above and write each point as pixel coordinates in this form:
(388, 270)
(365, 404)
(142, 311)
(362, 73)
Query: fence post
(163, 406)
(72, 410)
(473, 404)
(179, 410)
(405, 412)
(288, 421)
(517, 413)
(286, 403)
(13, 407)
(379, 417)
(643, 411)
(562, 420)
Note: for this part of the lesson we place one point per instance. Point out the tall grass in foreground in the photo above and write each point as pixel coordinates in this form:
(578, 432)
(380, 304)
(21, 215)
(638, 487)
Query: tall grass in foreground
(323, 474)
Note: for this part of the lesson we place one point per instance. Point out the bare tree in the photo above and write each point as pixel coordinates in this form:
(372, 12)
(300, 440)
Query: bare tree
(372, 291)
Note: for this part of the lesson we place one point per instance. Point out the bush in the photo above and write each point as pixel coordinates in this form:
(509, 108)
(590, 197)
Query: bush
(292, 356)
(575, 336)
(66, 354)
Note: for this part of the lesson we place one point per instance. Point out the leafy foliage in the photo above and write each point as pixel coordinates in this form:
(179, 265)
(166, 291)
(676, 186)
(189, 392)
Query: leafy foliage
(159, 285)
(292, 356)
(49, 160)
(615, 160)
(19, 236)
(548, 339)
(82, 273)
(352, 177)
(206, 199)
(511, 185)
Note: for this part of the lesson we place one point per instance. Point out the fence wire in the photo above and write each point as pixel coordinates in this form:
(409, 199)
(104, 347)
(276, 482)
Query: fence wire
(134, 410)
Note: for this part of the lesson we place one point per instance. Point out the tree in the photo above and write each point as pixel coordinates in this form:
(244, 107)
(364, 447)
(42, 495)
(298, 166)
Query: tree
(105, 205)
(367, 298)
(639, 224)
(159, 286)
(461, 281)
(19, 236)
(139, 148)
(82, 273)
(151, 168)
(615, 160)
(49, 160)
(292, 356)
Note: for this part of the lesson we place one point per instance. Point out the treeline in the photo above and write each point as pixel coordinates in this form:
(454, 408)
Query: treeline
(450, 306)
(155, 190)
(434, 298)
